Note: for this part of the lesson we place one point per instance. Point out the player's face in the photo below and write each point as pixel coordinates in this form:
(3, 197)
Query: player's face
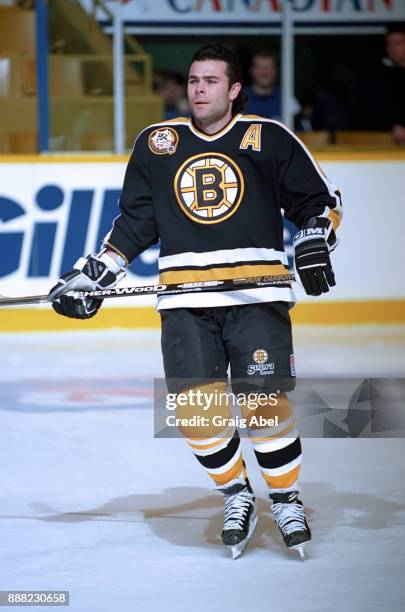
(208, 91)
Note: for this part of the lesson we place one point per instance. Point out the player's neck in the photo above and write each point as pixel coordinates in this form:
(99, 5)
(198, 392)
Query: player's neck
(213, 127)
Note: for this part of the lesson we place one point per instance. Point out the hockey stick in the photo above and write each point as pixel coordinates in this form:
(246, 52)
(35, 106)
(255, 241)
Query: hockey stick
(231, 284)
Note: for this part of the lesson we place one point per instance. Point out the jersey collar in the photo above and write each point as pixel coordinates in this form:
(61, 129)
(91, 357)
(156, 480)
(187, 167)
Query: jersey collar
(215, 136)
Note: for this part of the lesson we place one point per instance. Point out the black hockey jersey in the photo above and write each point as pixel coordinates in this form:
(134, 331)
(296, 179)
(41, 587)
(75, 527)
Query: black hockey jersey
(215, 202)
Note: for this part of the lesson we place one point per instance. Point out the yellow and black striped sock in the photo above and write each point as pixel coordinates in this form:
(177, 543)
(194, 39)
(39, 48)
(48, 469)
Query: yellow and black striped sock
(216, 444)
(220, 457)
(278, 448)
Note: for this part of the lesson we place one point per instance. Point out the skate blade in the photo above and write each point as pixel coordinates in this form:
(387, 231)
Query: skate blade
(237, 549)
(300, 548)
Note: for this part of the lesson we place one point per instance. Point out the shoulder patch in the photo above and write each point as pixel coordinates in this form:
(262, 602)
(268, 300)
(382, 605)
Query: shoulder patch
(163, 141)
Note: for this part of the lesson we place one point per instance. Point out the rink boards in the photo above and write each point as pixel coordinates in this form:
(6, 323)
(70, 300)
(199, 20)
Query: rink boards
(55, 209)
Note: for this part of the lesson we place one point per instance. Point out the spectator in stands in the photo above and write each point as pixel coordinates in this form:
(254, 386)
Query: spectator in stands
(264, 95)
(384, 93)
(171, 86)
(393, 80)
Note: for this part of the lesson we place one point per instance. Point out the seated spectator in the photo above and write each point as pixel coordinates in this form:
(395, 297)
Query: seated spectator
(171, 86)
(264, 95)
(384, 91)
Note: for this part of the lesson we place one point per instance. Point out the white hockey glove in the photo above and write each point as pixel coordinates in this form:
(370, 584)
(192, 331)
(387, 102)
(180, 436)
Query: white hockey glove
(311, 255)
(89, 273)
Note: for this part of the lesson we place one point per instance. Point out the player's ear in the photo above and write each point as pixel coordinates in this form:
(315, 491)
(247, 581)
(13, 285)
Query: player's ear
(234, 91)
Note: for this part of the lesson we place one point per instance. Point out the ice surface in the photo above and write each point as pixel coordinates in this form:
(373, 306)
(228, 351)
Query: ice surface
(90, 502)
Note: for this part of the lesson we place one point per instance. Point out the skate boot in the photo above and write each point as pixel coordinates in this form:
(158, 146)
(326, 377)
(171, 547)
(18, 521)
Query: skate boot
(288, 513)
(240, 516)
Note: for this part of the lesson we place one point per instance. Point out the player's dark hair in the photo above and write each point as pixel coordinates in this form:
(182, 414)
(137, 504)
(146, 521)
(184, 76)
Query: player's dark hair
(221, 53)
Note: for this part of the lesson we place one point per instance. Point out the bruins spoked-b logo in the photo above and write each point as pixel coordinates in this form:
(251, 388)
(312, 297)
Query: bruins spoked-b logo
(260, 356)
(261, 363)
(209, 187)
(163, 141)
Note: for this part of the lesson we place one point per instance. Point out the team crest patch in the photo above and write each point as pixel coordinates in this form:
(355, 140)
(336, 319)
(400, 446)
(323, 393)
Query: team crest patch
(163, 141)
(209, 187)
(260, 356)
(260, 365)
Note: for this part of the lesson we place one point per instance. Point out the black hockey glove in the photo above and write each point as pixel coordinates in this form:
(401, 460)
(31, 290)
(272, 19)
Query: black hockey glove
(76, 307)
(312, 260)
(89, 273)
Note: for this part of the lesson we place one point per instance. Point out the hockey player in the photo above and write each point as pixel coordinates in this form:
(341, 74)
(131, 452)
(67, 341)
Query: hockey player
(212, 189)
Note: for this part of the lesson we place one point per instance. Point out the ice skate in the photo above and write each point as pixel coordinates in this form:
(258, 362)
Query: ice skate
(240, 516)
(288, 513)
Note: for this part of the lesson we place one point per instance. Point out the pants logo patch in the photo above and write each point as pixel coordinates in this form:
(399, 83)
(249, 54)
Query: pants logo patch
(260, 357)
